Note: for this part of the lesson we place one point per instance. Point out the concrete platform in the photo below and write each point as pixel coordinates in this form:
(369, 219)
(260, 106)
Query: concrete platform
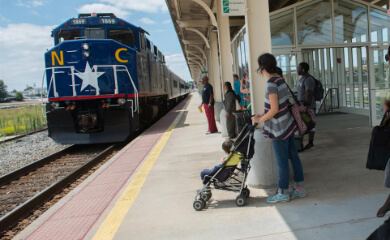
(342, 203)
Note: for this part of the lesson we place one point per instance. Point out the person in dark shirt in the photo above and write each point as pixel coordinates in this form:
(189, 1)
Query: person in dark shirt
(306, 90)
(230, 107)
(208, 105)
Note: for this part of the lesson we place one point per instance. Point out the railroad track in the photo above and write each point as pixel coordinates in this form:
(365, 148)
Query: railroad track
(23, 135)
(27, 188)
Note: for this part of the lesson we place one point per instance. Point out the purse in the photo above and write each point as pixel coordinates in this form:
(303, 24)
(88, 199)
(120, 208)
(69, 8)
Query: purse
(305, 117)
(379, 152)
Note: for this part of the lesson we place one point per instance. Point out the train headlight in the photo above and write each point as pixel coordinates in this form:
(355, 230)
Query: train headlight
(85, 46)
(121, 101)
(86, 54)
(56, 104)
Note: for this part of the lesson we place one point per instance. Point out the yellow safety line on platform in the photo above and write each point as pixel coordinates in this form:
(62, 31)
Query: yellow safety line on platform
(114, 219)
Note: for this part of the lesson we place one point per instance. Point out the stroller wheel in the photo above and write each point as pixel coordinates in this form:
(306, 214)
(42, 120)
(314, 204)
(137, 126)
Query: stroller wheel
(206, 196)
(240, 201)
(245, 192)
(199, 204)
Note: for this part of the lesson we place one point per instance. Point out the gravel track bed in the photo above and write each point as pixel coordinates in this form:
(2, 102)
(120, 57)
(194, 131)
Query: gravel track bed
(20, 190)
(10, 234)
(20, 152)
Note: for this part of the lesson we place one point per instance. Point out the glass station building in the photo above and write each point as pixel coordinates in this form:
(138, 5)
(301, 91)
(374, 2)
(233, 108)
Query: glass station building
(343, 41)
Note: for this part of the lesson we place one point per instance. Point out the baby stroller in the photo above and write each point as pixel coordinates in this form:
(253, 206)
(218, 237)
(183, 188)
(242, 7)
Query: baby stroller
(229, 176)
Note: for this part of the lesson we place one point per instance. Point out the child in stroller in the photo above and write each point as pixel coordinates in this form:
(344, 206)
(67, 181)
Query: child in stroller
(227, 176)
(226, 146)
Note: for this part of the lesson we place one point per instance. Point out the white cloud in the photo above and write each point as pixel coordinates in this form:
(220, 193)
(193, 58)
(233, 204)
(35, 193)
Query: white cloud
(178, 65)
(4, 19)
(140, 5)
(30, 4)
(103, 8)
(22, 48)
(167, 21)
(34, 13)
(147, 21)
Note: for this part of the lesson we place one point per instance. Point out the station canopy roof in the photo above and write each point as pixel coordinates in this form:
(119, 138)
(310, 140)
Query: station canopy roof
(194, 19)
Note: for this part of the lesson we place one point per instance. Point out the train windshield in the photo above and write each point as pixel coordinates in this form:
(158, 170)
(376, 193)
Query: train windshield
(122, 35)
(94, 33)
(65, 35)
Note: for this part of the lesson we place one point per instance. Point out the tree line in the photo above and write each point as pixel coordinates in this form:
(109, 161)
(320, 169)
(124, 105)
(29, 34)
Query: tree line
(4, 93)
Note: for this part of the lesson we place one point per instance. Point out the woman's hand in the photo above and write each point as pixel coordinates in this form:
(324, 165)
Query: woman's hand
(257, 119)
(227, 115)
(222, 160)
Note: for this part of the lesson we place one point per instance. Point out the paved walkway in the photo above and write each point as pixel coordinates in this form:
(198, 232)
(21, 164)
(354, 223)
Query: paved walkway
(342, 202)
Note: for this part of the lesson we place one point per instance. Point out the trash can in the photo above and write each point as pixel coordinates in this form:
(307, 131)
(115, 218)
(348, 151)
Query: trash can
(242, 118)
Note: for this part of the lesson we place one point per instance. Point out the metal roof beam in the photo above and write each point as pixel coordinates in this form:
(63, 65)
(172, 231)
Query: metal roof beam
(200, 34)
(193, 23)
(208, 10)
(199, 49)
(196, 57)
(192, 42)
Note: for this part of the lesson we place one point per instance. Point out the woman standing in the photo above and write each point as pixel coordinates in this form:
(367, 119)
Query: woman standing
(386, 122)
(230, 107)
(279, 126)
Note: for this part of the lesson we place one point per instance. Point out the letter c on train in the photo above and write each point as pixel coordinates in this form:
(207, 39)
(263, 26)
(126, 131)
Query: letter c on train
(117, 55)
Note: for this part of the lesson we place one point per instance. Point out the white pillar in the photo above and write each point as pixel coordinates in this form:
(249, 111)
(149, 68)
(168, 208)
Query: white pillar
(225, 54)
(214, 74)
(224, 45)
(264, 173)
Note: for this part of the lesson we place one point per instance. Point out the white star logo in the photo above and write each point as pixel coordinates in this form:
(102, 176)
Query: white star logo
(89, 78)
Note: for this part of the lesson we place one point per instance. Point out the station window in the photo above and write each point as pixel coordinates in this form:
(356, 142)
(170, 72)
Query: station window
(122, 35)
(65, 35)
(94, 33)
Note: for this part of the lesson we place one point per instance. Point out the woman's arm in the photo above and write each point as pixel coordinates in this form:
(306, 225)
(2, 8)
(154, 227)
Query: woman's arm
(274, 102)
(244, 90)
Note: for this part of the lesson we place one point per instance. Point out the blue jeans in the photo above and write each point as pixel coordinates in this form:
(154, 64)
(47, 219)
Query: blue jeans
(285, 150)
(205, 172)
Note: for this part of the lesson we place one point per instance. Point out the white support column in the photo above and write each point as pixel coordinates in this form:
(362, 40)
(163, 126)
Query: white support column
(224, 44)
(209, 63)
(225, 54)
(264, 173)
(214, 74)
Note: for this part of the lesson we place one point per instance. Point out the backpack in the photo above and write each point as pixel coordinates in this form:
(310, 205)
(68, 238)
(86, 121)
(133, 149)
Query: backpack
(318, 89)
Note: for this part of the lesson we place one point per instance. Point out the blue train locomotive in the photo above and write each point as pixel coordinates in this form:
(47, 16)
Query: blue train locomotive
(105, 80)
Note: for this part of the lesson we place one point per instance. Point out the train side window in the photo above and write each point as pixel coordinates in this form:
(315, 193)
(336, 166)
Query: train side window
(94, 33)
(174, 84)
(122, 35)
(148, 45)
(155, 51)
(65, 35)
(142, 41)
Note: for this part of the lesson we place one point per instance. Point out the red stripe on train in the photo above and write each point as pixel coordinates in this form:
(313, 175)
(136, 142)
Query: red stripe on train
(90, 97)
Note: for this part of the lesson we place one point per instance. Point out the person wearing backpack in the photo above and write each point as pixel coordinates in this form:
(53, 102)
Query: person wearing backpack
(306, 95)
(230, 107)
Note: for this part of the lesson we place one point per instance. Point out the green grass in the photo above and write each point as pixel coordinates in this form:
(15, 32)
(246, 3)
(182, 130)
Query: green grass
(21, 120)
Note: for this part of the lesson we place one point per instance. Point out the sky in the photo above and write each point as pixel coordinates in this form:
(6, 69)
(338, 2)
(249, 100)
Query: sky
(26, 25)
